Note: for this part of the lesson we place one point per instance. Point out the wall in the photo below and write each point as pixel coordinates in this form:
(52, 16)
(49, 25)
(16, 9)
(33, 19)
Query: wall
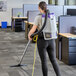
(61, 2)
(6, 16)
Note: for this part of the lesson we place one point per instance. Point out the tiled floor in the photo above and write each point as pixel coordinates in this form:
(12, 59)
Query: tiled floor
(12, 45)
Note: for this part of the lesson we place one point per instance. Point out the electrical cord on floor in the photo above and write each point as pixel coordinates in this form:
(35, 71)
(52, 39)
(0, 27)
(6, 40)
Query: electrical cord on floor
(18, 65)
(34, 39)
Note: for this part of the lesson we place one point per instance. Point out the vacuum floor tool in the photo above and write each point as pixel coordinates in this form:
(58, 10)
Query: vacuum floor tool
(18, 65)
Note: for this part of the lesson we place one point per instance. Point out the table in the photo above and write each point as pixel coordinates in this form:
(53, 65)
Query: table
(68, 48)
(68, 35)
(14, 18)
(27, 28)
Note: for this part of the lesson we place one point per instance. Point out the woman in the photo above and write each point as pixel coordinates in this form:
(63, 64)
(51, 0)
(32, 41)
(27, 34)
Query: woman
(44, 45)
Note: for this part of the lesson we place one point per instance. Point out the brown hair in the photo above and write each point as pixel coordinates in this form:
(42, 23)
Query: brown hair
(43, 5)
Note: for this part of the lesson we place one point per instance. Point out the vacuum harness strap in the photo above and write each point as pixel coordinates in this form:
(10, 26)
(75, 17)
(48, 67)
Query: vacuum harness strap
(44, 24)
(49, 27)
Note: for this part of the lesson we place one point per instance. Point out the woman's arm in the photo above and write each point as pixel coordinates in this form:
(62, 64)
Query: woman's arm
(32, 31)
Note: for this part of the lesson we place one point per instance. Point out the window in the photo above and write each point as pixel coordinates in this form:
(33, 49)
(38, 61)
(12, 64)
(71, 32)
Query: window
(53, 2)
(62, 2)
(70, 2)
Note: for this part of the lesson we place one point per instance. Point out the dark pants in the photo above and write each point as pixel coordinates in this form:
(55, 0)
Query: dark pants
(49, 47)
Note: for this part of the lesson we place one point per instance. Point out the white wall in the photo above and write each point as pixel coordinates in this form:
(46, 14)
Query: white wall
(6, 16)
(60, 2)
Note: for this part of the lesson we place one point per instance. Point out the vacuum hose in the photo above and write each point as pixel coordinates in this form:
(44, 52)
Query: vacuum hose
(44, 24)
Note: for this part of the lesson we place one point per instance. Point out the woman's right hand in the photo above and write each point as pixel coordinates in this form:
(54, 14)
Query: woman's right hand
(29, 36)
(32, 31)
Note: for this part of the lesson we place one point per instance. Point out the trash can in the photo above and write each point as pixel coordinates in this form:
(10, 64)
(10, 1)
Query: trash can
(4, 24)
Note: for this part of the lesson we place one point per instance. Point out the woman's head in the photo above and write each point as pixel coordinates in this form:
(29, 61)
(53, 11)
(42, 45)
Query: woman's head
(42, 7)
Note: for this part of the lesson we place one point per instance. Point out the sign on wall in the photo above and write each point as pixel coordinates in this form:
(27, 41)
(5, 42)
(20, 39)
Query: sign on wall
(3, 5)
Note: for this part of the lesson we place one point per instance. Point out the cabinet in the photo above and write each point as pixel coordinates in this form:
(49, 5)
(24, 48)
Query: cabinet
(18, 25)
(69, 50)
(18, 21)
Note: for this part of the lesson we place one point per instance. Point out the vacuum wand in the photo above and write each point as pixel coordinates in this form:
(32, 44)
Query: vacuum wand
(25, 51)
(18, 65)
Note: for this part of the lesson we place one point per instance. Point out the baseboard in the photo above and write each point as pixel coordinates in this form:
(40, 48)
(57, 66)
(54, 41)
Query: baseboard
(7, 26)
